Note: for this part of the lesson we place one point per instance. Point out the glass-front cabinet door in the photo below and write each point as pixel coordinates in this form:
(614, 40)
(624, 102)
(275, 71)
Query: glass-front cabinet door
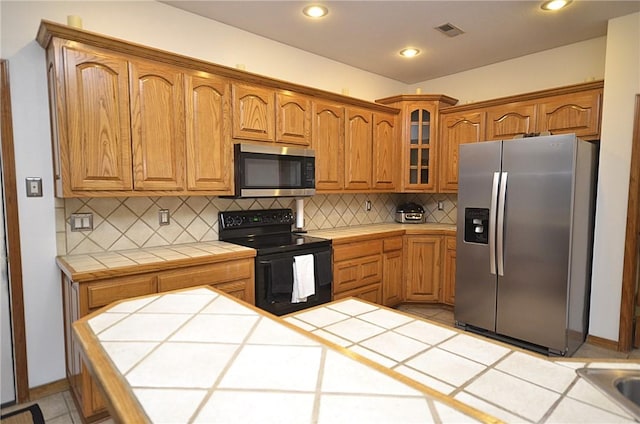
(419, 159)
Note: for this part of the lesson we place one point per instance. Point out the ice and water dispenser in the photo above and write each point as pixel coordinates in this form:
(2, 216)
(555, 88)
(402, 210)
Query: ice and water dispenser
(476, 225)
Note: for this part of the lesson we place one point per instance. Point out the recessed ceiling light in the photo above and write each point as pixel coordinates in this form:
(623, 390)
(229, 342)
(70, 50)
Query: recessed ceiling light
(315, 11)
(409, 52)
(554, 4)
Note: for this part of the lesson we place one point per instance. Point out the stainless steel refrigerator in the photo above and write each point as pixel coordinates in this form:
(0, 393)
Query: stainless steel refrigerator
(524, 241)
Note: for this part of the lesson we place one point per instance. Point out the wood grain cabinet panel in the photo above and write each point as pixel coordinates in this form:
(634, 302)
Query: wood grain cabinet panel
(385, 149)
(293, 116)
(392, 273)
(358, 148)
(253, 112)
(449, 278)
(97, 99)
(510, 120)
(457, 129)
(423, 268)
(157, 125)
(577, 113)
(371, 293)
(328, 143)
(208, 145)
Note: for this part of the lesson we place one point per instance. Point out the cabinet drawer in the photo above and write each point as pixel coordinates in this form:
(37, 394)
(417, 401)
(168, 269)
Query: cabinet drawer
(371, 293)
(103, 293)
(358, 272)
(357, 250)
(392, 243)
(210, 274)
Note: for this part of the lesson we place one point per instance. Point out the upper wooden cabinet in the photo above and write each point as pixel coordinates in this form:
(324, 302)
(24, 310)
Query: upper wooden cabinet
(577, 113)
(384, 153)
(254, 112)
(510, 120)
(157, 126)
(417, 151)
(293, 118)
(328, 143)
(89, 95)
(208, 139)
(457, 129)
(358, 144)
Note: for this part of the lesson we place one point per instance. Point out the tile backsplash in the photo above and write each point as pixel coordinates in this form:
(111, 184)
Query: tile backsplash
(132, 222)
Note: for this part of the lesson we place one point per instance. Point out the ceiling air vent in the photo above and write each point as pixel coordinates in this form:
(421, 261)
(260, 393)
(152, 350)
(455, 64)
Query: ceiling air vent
(449, 30)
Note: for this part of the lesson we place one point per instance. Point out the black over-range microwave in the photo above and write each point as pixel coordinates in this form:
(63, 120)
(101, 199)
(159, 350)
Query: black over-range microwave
(274, 171)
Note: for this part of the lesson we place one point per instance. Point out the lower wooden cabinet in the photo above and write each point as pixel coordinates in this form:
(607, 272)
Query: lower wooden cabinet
(392, 271)
(423, 264)
(357, 270)
(234, 276)
(449, 277)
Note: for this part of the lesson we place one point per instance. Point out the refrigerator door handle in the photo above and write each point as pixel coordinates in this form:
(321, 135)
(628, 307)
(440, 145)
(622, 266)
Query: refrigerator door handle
(501, 208)
(492, 222)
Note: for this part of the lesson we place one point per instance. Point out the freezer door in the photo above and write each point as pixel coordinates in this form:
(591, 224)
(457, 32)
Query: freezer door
(475, 276)
(532, 294)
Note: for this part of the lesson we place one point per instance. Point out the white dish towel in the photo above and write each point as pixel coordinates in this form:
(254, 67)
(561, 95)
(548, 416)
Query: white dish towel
(304, 282)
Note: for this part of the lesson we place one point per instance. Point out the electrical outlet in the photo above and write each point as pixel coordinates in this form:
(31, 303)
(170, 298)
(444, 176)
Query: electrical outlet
(81, 221)
(367, 205)
(163, 217)
(440, 205)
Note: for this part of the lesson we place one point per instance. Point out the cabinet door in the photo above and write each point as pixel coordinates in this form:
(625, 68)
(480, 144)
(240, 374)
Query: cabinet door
(371, 293)
(98, 155)
(449, 289)
(209, 153)
(456, 129)
(507, 121)
(293, 119)
(157, 126)
(385, 145)
(392, 263)
(358, 141)
(423, 268)
(328, 143)
(572, 113)
(420, 159)
(253, 112)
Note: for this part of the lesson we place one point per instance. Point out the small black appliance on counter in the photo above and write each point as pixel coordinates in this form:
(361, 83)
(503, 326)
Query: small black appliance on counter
(410, 213)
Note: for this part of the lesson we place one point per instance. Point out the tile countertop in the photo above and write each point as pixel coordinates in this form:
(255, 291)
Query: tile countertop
(198, 355)
(105, 264)
(509, 383)
(90, 266)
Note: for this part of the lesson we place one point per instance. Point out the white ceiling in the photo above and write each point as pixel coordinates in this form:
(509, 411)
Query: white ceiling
(369, 34)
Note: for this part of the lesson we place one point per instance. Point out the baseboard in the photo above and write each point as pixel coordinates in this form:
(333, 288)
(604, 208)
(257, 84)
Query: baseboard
(48, 389)
(601, 342)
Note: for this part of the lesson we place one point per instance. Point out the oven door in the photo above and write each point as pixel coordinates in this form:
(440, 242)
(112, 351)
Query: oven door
(267, 171)
(274, 280)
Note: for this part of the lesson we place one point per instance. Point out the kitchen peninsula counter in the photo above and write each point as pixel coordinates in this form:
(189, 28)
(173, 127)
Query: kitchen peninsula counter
(373, 231)
(198, 355)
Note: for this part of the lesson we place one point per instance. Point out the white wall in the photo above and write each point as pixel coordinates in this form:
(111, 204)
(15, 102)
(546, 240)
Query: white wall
(557, 67)
(622, 83)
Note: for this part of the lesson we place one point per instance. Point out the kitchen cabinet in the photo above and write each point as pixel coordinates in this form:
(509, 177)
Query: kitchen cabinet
(392, 271)
(358, 141)
(423, 265)
(293, 116)
(208, 144)
(384, 153)
(577, 113)
(89, 98)
(449, 277)
(253, 112)
(124, 126)
(233, 276)
(157, 125)
(328, 143)
(418, 139)
(508, 121)
(456, 129)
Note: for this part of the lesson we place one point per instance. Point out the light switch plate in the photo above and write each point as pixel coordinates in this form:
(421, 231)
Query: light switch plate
(34, 186)
(81, 221)
(163, 217)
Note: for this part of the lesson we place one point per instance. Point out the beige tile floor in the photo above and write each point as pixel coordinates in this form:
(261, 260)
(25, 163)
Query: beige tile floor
(60, 409)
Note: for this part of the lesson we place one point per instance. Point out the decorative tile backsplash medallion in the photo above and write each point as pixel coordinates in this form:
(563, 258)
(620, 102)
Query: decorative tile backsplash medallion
(132, 222)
